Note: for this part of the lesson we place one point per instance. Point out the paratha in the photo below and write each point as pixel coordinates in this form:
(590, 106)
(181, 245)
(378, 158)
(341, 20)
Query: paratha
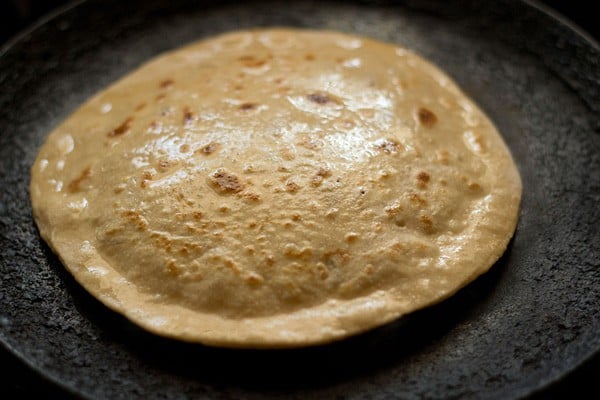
(276, 188)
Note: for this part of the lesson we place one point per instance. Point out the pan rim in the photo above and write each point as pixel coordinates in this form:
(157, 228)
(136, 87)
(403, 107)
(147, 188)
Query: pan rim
(57, 13)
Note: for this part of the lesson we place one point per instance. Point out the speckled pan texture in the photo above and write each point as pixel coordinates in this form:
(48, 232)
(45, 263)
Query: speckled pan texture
(527, 322)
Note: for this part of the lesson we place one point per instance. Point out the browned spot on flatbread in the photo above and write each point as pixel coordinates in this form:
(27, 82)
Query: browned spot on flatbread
(188, 116)
(292, 251)
(311, 143)
(147, 176)
(324, 172)
(167, 83)
(208, 149)
(321, 174)
(173, 269)
(417, 200)
(74, 186)
(165, 164)
(443, 156)
(426, 117)
(336, 258)
(225, 182)
(393, 209)
(322, 98)
(389, 146)
(121, 129)
(248, 106)
(422, 179)
(251, 61)
(249, 195)
(474, 186)
(135, 218)
(253, 279)
(427, 224)
(292, 187)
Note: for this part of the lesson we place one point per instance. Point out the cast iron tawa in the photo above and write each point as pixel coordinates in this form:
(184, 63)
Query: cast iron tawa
(528, 322)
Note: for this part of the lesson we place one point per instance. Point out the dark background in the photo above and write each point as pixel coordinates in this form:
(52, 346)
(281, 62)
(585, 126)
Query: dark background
(18, 14)
(18, 381)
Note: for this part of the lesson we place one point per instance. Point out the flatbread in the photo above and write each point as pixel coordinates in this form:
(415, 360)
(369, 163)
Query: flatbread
(276, 188)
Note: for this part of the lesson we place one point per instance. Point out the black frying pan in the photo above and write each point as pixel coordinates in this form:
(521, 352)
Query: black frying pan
(528, 322)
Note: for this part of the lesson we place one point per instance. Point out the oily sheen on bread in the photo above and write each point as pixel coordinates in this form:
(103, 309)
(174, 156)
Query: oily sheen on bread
(276, 188)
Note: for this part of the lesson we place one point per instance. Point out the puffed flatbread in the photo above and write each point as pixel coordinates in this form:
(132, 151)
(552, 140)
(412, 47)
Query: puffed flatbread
(276, 188)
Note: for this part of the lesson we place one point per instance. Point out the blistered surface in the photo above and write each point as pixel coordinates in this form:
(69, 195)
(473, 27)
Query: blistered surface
(276, 188)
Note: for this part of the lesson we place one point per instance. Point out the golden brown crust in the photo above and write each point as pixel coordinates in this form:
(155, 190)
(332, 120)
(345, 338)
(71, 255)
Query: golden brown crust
(276, 188)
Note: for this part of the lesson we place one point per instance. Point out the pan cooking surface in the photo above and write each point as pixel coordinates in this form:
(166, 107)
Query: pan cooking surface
(534, 317)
